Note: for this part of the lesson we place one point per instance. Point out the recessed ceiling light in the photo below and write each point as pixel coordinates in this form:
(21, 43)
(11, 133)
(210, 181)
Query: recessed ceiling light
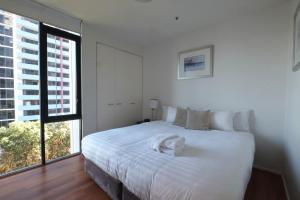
(143, 1)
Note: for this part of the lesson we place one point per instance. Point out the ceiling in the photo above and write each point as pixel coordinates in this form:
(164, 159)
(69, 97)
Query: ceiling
(146, 23)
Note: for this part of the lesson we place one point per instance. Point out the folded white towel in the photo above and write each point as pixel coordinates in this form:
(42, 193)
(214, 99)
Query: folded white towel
(167, 143)
(173, 146)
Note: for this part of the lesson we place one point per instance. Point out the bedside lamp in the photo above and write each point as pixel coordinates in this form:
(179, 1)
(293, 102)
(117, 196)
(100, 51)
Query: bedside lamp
(153, 104)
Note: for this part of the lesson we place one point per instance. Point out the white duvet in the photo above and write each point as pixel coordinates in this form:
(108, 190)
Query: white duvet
(215, 165)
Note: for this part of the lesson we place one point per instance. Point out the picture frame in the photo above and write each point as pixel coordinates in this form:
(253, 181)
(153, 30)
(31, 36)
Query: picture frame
(296, 42)
(196, 63)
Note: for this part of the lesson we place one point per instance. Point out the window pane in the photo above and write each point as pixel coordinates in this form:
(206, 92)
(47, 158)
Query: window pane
(61, 59)
(19, 112)
(6, 41)
(62, 139)
(6, 62)
(6, 73)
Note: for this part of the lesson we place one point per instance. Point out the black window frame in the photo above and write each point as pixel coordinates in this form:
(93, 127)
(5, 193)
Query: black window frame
(44, 30)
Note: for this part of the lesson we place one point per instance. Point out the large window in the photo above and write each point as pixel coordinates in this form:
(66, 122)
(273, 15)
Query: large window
(40, 105)
(61, 105)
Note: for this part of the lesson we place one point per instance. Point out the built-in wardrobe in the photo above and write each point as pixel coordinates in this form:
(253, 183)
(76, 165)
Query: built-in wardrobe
(119, 88)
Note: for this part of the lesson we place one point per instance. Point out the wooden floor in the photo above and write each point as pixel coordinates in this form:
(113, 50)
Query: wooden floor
(66, 180)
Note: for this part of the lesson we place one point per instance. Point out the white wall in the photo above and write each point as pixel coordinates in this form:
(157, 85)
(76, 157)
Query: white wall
(249, 73)
(292, 137)
(90, 36)
(292, 125)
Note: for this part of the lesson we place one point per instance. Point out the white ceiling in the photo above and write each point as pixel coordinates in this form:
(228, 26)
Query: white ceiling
(147, 23)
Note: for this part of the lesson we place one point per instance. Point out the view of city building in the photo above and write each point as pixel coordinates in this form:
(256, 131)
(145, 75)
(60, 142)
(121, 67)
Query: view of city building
(19, 70)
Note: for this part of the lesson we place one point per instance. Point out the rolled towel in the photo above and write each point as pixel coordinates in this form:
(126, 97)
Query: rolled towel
(157, 141)
(167, 143)
(173, 146)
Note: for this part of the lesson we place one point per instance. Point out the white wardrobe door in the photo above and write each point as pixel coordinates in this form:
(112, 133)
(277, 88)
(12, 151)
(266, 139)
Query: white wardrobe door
(135, 91)
(128, 88)
(122, 88)
(105, 87)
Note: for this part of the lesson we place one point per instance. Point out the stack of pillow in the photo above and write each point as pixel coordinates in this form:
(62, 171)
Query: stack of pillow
(205, 120)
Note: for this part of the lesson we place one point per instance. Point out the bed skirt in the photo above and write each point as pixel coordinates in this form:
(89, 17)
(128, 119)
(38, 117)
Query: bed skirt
(113, 187)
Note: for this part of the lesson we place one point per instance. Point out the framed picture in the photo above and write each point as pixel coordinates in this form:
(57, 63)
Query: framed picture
(296, 63)
(196, 63)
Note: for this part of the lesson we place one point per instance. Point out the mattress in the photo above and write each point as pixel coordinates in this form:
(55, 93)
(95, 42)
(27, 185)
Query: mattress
(215, 165)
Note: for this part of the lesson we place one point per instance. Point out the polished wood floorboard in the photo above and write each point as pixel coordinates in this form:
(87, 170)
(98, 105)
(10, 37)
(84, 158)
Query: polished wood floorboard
(264, 185)
(66, 180)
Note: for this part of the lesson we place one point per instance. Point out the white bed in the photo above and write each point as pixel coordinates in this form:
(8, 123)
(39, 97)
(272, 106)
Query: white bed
(215, 165)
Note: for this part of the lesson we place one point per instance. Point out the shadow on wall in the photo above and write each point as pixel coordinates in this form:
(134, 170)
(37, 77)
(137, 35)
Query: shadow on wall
(265, 146)
(292, 174)
(252, 122)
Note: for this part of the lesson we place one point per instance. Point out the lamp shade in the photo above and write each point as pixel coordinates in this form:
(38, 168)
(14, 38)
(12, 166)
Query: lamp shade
(153, 103)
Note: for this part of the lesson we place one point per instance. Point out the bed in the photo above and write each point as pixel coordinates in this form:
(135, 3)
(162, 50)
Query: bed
(215, 165)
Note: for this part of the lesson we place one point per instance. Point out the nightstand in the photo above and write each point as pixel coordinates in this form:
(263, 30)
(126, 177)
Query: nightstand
(145, 120)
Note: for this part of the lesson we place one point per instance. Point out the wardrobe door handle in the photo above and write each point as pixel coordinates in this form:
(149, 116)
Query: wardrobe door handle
(118, 104)
(110, 104)
(132, 103)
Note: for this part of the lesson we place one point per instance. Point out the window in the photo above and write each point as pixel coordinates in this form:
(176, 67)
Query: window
(21, 149)
(6, 94)
(6, 83)
(6, 51)
(29, 30)
(6, 41)
(29, 61)
(5, 123)
(6, 72)
(6, 62)
(31, 102)
(52, 55)
(65, 101)
(66, 79)
(30, 41)
(7, 104)
(6, 18)
(30, 82)
(7, 114)
(39, 93)
(5, 30)
(30, 72)
(31, 112)
(30, 92)
(30, 51)
(61, 106)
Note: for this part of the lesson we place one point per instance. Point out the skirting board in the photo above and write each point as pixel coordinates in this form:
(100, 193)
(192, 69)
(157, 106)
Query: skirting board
(285, 187)
(278, 173)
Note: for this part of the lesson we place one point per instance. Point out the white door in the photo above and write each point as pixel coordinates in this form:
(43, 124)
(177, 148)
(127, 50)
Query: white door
(128, 88)
(123, 84)
(135, 89)
(105, 87)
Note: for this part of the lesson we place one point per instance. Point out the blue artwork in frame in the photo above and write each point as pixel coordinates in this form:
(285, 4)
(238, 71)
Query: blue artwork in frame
(196, 63)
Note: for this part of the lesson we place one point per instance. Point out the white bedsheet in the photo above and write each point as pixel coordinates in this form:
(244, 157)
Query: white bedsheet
(215, 165)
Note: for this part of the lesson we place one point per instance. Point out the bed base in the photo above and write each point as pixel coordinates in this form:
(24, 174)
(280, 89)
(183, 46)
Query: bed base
(113, 187)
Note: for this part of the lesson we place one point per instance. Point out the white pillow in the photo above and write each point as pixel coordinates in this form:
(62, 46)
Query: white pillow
(241, 121)
(222, 120)
(164, 113)
(169, 114)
